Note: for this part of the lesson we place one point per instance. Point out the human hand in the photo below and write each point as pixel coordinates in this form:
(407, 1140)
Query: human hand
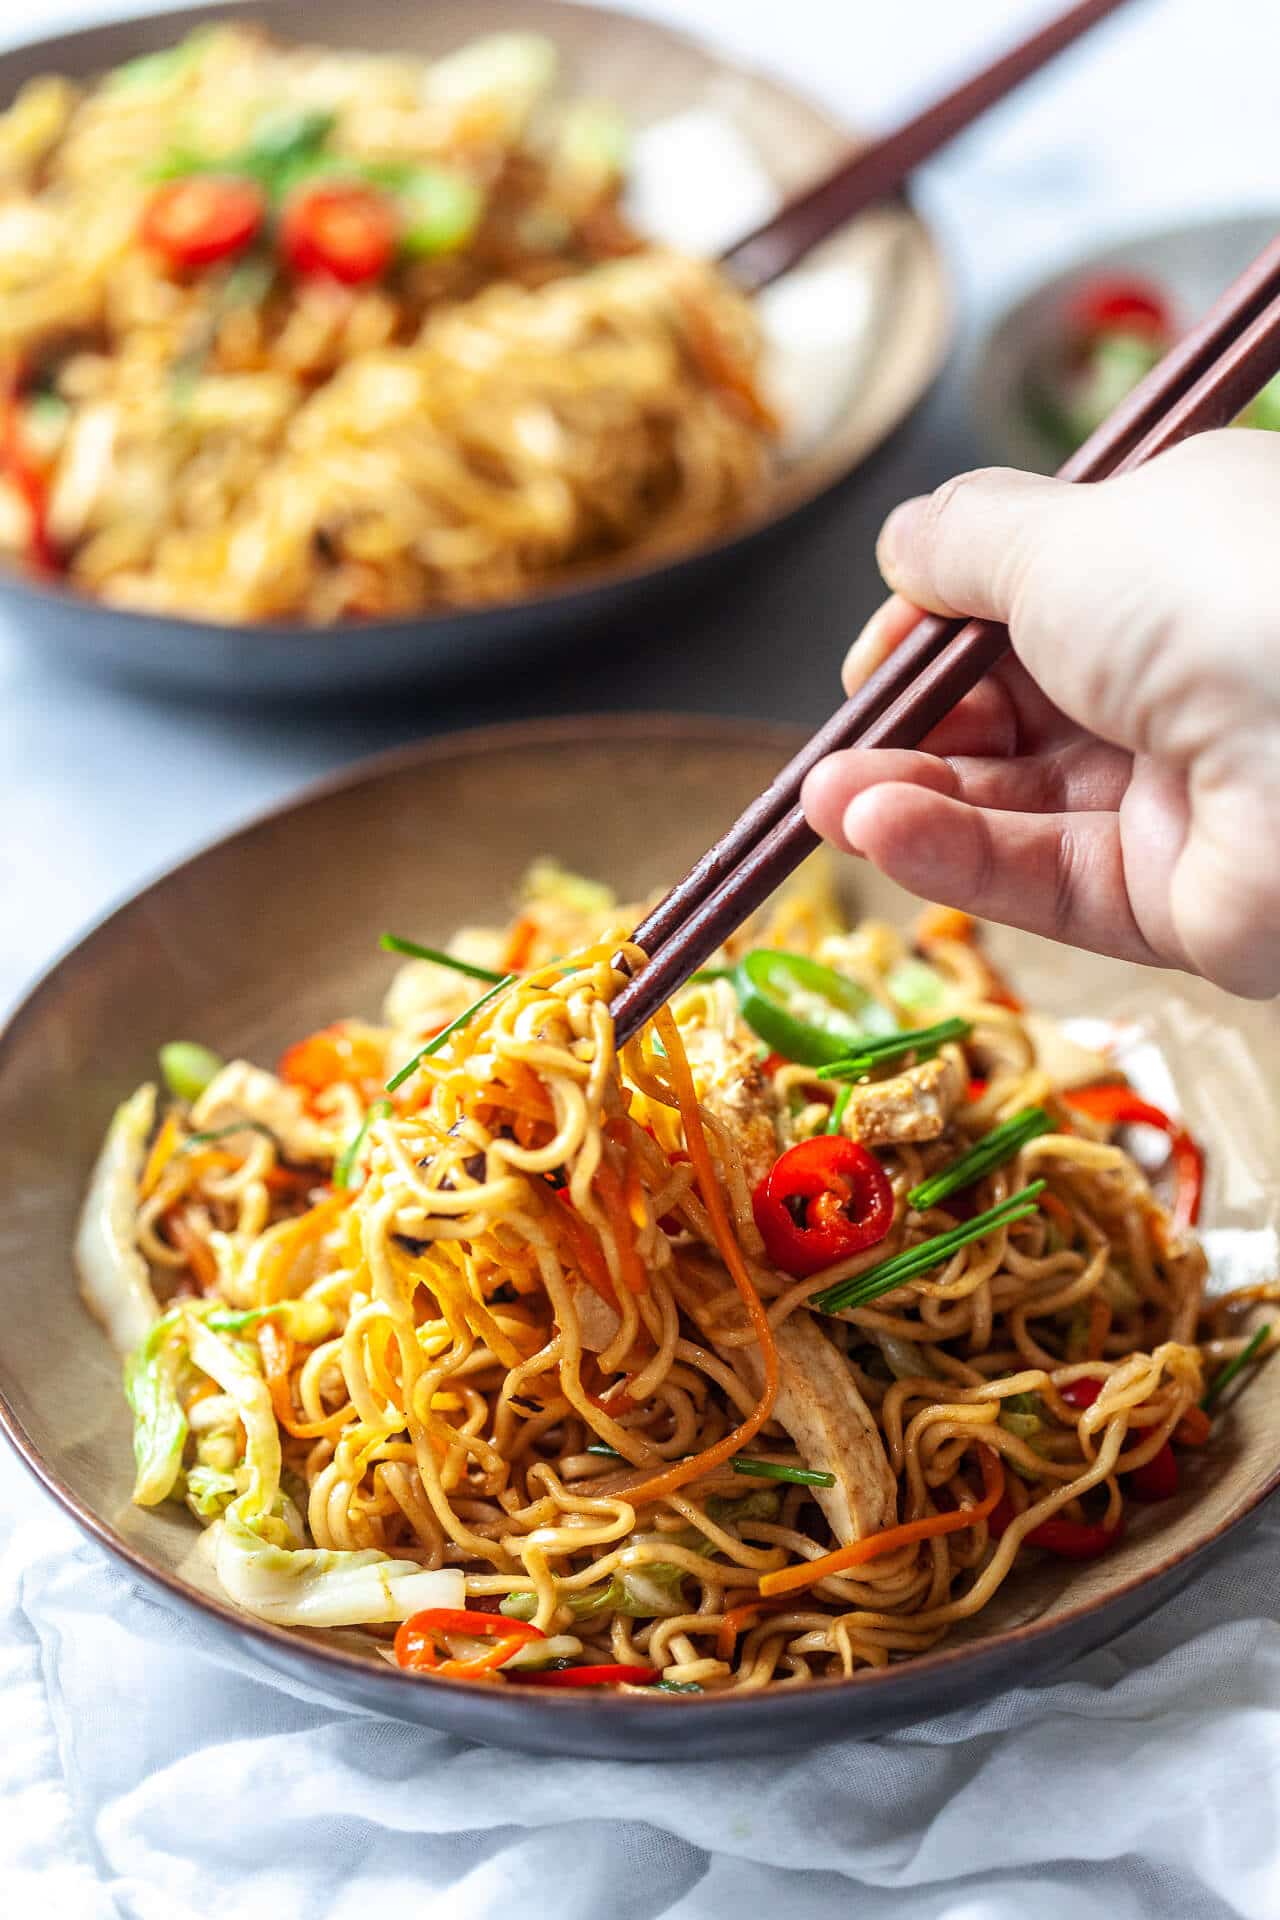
(1115, 782)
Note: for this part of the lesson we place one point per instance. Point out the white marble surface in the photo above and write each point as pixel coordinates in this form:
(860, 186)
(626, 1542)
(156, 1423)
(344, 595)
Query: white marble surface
(1170, 109)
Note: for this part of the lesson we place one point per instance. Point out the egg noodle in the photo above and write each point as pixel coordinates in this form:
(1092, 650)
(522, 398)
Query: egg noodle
(513, 1341)
(293, 333)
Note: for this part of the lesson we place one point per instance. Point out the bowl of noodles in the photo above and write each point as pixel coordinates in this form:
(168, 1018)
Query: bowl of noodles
(886, 1323)
(323, 367)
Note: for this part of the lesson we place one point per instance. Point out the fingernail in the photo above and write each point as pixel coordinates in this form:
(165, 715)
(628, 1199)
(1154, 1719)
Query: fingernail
(896, 538)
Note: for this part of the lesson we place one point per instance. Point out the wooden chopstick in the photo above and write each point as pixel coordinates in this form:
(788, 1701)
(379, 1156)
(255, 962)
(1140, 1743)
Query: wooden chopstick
(879, 169)
(1201, 384)
(1101, 455)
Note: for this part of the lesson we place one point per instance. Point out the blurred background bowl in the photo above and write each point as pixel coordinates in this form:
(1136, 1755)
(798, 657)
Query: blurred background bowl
(1191, 263)
(867, 382)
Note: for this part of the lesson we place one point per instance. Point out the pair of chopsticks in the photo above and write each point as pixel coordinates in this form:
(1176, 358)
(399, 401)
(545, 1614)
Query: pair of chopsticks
(1203, 383)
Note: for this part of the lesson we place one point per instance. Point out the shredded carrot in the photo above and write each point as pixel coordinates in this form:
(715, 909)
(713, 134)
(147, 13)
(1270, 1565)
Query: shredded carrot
(308, 1226)
(196, 1252)
(944, 923)
(740, 1620)
(1194, 1428)
(1099, 1327)
(723, 368)
(162, 1150)
(1059, 1213)
(203, 1390)
(679, 1474)
(610, 1190)
(807, 1572)
(520, 944)
(276, 1349)
(585, 1251)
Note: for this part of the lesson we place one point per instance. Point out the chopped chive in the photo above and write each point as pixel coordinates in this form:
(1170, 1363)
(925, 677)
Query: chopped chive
(891, 1046)
(221, 1133)
(754, 1469)
(835, 1119)
(1222, 1380)
(996, 1147)
(934, 1252)
(675, 1686)
(433, 1046)
(393, 943)
(776, 1470)
(345, 1165)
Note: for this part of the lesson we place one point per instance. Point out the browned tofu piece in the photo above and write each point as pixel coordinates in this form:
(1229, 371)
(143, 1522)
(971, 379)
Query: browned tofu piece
(913, 1105)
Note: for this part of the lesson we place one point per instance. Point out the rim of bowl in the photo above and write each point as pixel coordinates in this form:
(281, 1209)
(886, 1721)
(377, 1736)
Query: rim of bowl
(566, 730)
(582, 583)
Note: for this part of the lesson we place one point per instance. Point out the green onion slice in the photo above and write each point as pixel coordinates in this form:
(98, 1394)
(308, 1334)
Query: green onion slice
(345, 1165)
(1222, 1380)
(394, 943)
(934, 1252)
(753, 1469)
(836, 1118)
(892, 1046)
(991, 1151)
(804, 1011)
(464, 1019)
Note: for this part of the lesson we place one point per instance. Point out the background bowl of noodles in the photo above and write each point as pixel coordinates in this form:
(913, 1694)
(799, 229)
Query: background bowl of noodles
(852, 341)
(306, 890)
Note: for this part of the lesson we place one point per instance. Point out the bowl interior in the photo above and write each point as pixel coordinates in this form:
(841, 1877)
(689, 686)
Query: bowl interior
(857, 350)
(273, 931)
(1192, 264)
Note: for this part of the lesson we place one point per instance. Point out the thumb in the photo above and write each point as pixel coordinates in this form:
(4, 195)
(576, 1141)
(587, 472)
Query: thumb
(965, 549)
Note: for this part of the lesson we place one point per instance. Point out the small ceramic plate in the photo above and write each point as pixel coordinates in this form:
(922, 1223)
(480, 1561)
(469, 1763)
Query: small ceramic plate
(859, 330)
(1192, 264)
(273, 932)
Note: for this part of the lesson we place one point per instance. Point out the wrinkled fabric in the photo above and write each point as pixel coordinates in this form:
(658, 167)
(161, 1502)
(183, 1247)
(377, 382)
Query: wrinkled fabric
(150, 1772)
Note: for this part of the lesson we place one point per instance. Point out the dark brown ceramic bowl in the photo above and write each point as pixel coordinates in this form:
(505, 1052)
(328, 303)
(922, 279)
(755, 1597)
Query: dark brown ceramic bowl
(273, 931)
(651, 72)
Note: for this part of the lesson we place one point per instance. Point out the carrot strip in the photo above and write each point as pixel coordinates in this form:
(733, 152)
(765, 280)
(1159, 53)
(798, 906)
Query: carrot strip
(683, 1471)
(944, 923)
(807, 1572)
(307, 1226)
(586, 1253)
(1059, 1213)
(276, 1349)
(162, 1150)
(609, 1188)
(520, 944)
(1100, 1317)
(740, 1620)
(195, 1251)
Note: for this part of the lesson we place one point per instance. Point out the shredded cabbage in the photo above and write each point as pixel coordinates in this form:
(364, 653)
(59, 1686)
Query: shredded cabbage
(318, 1587)
(237, 1376)
(159, 1423)
(210, 1491)
(115, 1283)
(508, 73)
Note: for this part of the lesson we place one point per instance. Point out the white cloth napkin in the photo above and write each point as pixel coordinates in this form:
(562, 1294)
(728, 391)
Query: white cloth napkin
(148, 1773)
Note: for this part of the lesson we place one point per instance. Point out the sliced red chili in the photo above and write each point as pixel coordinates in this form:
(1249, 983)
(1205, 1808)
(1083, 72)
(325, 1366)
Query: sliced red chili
(602, 1676)
(202, 218)
(1081, 1393)
(28, 479)
(1120, 1106)
(420, 1638)
(822, 1201)
(1158, 1479)
(1121, 303)
(339, 229)
(1069, 1539)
